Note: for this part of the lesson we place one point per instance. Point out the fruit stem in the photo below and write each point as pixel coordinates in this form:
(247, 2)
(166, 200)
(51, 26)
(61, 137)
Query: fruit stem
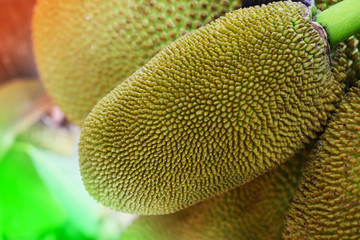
(340, 20)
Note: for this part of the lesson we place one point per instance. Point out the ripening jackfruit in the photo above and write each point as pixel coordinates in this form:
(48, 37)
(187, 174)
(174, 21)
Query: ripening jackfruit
(211, 111)
(352, 45)
(327, 204)
(85, 48)
(16, 97)
(256, 210)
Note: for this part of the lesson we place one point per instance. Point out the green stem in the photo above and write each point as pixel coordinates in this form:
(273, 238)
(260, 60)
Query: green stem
(340, 20)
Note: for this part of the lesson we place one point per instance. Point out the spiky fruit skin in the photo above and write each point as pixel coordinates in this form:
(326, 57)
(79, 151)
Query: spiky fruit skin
(352, 45)
(16, 97)
(251, 3)
(327, 204)
(256, 210)
(213, 110)
(85, 48)
(353, 57)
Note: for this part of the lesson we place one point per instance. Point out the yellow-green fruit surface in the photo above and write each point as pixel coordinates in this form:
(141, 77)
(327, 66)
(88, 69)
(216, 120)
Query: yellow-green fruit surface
(352, 45)
(85, 48)
(327, 205)
(256, 210)
(16, 97)
(213, 110)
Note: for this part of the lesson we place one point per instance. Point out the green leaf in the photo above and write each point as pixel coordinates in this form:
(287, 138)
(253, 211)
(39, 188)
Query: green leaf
(6, 141)
(62, 177)
(27, 207)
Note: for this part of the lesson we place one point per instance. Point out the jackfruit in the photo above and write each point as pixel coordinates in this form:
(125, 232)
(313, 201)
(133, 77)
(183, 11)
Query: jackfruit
(352, 45)
(16, 97)
(327, 204)
(256, 210)
(214, 109)
(251, 3)
(85, 48)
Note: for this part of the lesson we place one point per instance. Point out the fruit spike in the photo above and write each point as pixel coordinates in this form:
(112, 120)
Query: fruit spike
(327, 204)
(85, 49)
(213, 110)
(256, 210)
(252, 3)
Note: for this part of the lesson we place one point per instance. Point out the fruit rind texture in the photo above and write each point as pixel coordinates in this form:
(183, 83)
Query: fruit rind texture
(213, 110)
(84, 49)
(256, 210)
(327, 204)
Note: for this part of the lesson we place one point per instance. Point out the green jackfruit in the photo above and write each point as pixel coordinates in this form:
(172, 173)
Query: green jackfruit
(352, 45)
(85, 48)
(327, 205)
(213, 110)
(256, 210)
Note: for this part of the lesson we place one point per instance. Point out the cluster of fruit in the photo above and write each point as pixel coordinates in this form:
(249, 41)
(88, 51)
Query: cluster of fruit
(182, 102)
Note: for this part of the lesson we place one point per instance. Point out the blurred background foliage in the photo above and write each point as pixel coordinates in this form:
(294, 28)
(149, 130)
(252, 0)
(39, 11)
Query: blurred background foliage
(41, 192)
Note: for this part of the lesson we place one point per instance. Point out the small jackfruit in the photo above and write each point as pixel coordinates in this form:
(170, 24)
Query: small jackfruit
(85, 48)
(327, 204)
(213, 110)
(256, 210)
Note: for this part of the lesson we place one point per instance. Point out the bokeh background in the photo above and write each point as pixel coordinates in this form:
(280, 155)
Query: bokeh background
(41, 192)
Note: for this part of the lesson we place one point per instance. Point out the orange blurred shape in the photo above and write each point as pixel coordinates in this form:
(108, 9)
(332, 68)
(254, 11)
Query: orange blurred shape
(16, 55)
